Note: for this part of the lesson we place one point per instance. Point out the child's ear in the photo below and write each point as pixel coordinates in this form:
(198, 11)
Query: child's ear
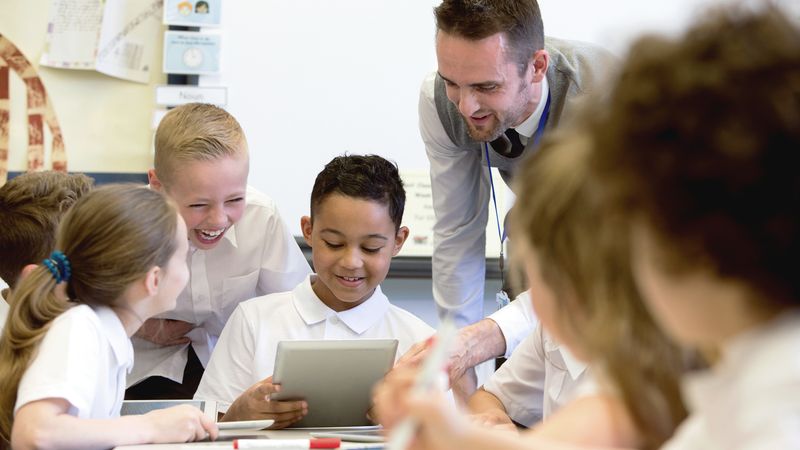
(151, 280)
(26, 271)
(399, 240)
(155, 183)
(306, 225)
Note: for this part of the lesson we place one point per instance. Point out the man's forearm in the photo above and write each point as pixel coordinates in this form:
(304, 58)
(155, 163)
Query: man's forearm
(482, 341)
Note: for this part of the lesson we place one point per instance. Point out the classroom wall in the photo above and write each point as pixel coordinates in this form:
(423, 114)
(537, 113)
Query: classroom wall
(106, 122)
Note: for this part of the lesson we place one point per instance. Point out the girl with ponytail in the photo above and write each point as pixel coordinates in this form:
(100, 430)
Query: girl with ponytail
(66, 349)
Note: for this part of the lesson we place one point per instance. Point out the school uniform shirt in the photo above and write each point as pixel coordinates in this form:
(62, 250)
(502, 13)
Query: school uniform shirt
(516, 321)
(245, 353)
(751, 399)
(539, 378)
(256, 256)
(83, 359)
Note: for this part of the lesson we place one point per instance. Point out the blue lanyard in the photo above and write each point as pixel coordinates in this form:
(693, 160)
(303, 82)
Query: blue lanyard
(536, 138)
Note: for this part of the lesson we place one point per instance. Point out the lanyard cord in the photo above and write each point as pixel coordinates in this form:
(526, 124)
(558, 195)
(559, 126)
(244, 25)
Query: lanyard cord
(501, 233)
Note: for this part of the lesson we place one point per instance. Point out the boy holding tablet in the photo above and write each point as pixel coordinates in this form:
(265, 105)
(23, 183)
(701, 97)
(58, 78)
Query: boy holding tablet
(354, 230)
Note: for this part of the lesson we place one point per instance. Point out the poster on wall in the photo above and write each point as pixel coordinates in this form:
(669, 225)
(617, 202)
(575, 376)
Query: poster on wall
(114, 37)
(196, 13)
(191, 53)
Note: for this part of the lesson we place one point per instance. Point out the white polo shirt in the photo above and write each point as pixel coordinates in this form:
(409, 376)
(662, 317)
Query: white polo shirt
(245, 353)
(751, 399)
(83, 359)
(540, 377)
(257, 256)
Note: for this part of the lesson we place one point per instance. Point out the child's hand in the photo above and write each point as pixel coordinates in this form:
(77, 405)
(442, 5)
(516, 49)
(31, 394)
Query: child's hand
(255, 404)
(183, 423)
(165, 331)
(438, 422)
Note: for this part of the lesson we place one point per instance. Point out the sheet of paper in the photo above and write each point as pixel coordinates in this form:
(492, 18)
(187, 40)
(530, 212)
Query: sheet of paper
(72, 34)
(418, 215)
(129, 35)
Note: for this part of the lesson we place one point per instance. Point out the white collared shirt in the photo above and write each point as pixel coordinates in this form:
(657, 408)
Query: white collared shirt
(257, 256)
(245, 353)
(539, 378)
(461, 191)
(751, 399)
(83, 359)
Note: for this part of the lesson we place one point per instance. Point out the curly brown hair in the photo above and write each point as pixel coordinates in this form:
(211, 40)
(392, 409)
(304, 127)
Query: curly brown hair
(701, 139)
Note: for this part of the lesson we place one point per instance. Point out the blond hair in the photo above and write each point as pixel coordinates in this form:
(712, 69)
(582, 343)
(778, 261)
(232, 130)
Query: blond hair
(195, 132)
(584, 258)
(112, 237)
(31, 205)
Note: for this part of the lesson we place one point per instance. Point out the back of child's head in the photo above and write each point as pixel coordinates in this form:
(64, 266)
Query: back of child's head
(109, 239)
(31, 206)
(195, 132)
(368, 177)
(583, 258)
(702, 141)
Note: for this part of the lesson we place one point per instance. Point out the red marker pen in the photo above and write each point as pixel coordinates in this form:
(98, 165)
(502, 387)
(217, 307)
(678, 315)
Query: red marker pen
(289, 444)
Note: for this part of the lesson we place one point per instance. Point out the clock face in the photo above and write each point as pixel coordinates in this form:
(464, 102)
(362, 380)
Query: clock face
(193, 57)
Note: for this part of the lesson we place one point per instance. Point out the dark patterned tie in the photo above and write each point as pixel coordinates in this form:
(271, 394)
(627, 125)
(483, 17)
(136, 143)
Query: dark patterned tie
(508, 144)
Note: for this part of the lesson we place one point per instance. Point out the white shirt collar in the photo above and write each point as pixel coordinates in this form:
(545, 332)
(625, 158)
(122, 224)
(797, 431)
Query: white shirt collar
(557, 352)
(359, 319)
(528, 127)
(117, 337)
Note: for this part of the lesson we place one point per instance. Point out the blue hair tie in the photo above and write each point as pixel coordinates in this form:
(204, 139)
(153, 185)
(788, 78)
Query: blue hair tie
(59, 266)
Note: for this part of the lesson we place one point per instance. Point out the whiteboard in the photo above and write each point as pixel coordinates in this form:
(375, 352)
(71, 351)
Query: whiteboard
(312, 79)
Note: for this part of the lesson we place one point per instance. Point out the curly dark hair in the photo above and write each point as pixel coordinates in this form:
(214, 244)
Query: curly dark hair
(702, 139)
(368, 177)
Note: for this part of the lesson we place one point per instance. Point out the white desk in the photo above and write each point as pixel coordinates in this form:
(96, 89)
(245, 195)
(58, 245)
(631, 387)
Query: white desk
(271, 434)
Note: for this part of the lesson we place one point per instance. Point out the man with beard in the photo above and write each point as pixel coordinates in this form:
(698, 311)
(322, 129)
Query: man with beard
(500, 86)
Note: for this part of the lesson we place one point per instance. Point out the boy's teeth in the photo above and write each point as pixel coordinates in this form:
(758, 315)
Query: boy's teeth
(351, 278)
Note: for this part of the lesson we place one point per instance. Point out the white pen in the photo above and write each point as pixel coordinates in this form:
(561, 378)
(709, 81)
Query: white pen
(426, 380)
(288, 444)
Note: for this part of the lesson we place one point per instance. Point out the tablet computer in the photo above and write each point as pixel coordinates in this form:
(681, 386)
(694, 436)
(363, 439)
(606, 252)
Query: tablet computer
(131, 407)
(334, 377)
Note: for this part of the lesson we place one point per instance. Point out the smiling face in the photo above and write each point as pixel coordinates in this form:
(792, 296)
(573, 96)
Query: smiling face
(210, 196)
(486, 86)
(353, 241)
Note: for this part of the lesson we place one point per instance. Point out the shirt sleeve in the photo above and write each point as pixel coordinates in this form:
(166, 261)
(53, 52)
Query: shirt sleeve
(283, 265)
(516, 321)
(519, 382)
(58, 371)
(460, 189)
(230, 370)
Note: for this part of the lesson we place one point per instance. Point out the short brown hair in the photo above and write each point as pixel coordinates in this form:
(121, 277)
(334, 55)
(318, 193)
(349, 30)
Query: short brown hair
(702, 140)
(195, 132)
(31, 206)
(519, 20)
